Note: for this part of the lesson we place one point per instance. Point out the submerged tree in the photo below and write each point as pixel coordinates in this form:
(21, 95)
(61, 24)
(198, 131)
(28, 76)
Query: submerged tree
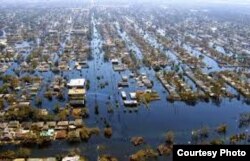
(169, 137)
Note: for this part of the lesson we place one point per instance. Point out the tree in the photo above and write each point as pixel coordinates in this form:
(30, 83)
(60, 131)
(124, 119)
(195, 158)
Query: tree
(60, 96)
(96, 109)
(204, 132)
(62, 115)
(222, 129)
(7, 155)
(38, 101)
(24, 114)
(169, 137)
(48, 95)
(23, 153)
(2, 47)
(4, 89)
(57, 109)
(1, 104)
(14, 82)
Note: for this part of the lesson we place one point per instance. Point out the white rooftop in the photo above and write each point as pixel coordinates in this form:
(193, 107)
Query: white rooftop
(76, 82)
(132, 95)
(74, 158)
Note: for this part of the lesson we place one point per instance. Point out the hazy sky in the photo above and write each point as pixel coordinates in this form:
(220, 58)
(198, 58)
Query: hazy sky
(165, 1)
(214, 1)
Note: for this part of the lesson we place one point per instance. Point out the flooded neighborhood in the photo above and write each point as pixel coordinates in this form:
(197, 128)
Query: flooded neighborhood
(105, 80)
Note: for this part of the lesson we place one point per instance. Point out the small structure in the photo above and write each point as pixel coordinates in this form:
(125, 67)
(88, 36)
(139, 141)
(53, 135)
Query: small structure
(124, 95)
(115, 61)
(132, 95)
(130, 102)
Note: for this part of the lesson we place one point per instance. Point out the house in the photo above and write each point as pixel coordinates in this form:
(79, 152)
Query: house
(3, 125)
(21, 135)
(43, 112)
(147, 82)
(19, 159)
(72, 127)
(124, 78)
(48, 133)
(114, 61)
(41, 159)
(2, 113)
(119, 67)
(76, 92)
(130, 102)
(35, 159)
(7, 135)
(124, 95)
(24, 104)
(77, 83)
(132, 95)
(123, 84)
(74, 134)
(71, 122)
(61, 134)
(71, 158)
(63, 123)
(78, 103)
(14, 124)
(51, 124)
(84, 64)
(38, 124)
(49, 159)
(45, 127)
(26, 125)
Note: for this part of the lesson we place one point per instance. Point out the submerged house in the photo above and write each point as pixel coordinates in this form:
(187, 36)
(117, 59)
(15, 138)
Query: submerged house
(130, 103)
(48, 133)
(14, 124)
(77, 91)
(77, 83)
(61, 134)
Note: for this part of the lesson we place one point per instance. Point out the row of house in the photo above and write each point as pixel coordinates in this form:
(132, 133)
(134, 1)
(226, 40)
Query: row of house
(16, 131)
(66, 158)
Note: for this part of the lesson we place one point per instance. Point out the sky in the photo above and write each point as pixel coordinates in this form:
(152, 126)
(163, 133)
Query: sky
(211, 1)
(242, 2)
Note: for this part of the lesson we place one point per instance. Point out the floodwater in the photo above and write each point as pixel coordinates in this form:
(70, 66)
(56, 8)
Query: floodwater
(2, 33)
(151, 122)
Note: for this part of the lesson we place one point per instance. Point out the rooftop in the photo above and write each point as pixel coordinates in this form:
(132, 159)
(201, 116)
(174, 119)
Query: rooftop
(76, 83)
